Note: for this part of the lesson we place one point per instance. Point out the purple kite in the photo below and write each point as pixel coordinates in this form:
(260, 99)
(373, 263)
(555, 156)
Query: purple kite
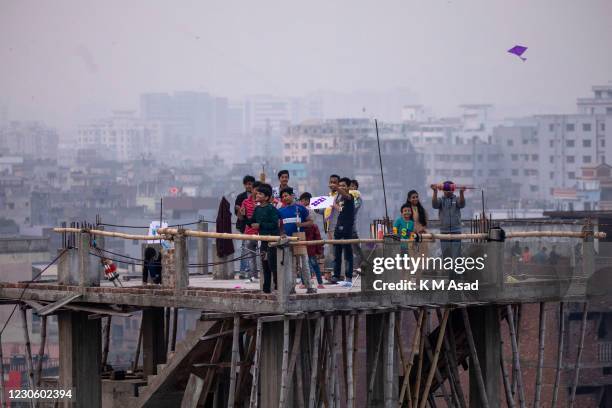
(518, 50)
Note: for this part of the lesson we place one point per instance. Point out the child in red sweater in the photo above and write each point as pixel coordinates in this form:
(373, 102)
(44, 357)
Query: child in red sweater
(314, 251)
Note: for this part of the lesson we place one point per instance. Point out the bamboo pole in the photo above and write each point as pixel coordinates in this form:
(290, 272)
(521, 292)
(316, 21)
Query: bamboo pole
(107, 329)
(331, 378)
(174, 329)
(560, 346)
(285, 363)
(389, 374)
(166, 330)
(413, 350)
(234, 362)
(41, 350)
(429, 354)
(416, 394)
(111, 234)
(299, 380)
(245, 367)
(223, 235)
(541, 339)
(336, 373)
(315, 363)
(504, 372)
(585, 310)
(350, 344)
(451, 365)
(455, 363)
(343, 348)
(2, 400)
(372, 378)
(28, 350)
(434, 363)
(138, 346)
(297, 338)
(474, 359)
(515, 356)
(254, 384)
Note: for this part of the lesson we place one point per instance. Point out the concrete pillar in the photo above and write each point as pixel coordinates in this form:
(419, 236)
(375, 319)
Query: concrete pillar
(181, 261)
(285, 274)
(485, 327)
(153, 345)
(80, 350)
(222, 269)
(271, 364)
(68, 268)
(375, 328)
(203, 249)
(87, 264)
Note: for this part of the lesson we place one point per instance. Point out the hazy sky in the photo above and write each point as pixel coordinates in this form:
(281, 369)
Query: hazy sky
(58, 55)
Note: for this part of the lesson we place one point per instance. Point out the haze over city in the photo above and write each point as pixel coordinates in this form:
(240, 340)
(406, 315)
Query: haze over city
(67, 60)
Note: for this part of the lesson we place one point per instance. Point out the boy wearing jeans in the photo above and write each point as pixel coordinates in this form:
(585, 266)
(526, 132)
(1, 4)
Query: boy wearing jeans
(265, 219)
(344, 205)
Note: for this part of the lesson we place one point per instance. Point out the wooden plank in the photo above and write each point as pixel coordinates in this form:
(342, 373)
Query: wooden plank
(235, 358)
(56, 305)
(192, 392)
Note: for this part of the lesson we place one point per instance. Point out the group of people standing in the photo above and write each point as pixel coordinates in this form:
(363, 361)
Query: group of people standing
(279, 211)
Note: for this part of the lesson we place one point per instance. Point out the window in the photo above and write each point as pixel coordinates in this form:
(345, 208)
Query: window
(534, 157)
(510, 142)
(570, 127)
(525, 141)
(608, 110)
(533, 189)
(552, 159)
(318, 145)
(304, 145)
(551, 127)
(570, 159)
(586, 143)
(586, 159)
(603, 126)
(602, 142)
(287, 145)
(515, 172)
(586, 127)
(570, 143)
(552, 143)
(514, 157)
(571, 175)
(526, 172)
(552, 175)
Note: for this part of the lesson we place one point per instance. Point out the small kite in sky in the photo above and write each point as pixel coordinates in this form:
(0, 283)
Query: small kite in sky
(518, 50)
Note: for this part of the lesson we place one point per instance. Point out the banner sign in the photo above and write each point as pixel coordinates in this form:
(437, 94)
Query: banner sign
(319, 203)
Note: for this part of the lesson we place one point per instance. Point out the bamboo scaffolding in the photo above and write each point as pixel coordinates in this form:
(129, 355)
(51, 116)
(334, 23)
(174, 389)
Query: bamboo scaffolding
(174, 329)
(350, 344)
(504, 372)
(111, 234)
(451, 365)
(585, 310)
(107, 329)
(541, 339)
(315, 363)
(245, 367)
(336, 372)
(235, 357)
(417, 386)
(343, 353)
(41, 350)
(254, 385)
(413, 350)
(28, 350)
(138, 347)
(455, 363)
(515, 356)
(331, 379)
(389, 372)
(474, 359)
(297, 339)
(372, 377)
(299, 380)
(439, 378)
(560, 346)
(434, 363)
(285, 363)
(209, 378)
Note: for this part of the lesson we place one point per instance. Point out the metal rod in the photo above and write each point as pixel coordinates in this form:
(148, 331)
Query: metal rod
(585, 310)
(382, 175)
(41, 350)
(560, 346)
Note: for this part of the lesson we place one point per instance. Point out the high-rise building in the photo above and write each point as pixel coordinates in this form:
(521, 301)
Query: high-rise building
(31, 139)
(122, 137)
